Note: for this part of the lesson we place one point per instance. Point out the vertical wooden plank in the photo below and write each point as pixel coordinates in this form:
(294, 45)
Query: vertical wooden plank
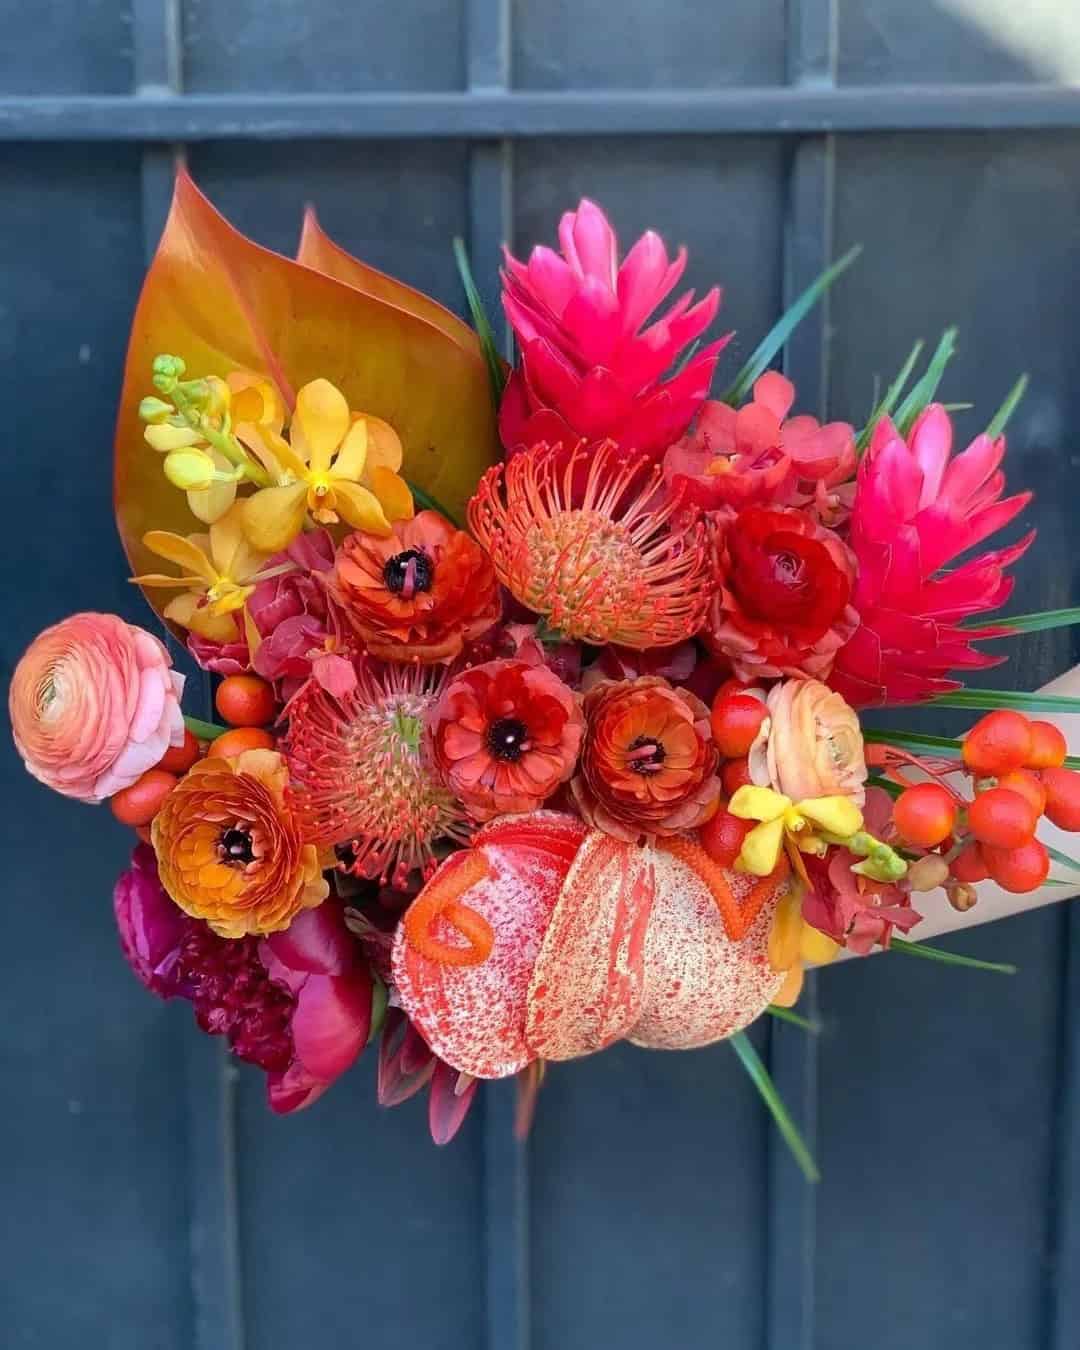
(1064, 1197)
(506, 1167)
(209, 1077)
(793, 1055)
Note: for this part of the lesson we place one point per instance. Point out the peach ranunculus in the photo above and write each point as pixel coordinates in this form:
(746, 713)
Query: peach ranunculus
(94, 703)
(810, 744)
(229, 849)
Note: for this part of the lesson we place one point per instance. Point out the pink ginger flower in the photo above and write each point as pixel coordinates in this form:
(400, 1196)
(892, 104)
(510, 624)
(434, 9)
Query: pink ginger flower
(916, 511)
(407, 1065)
(590, 368)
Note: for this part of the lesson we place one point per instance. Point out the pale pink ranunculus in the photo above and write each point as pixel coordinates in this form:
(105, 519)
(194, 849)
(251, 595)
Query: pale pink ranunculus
(810, 745)
(94, 703)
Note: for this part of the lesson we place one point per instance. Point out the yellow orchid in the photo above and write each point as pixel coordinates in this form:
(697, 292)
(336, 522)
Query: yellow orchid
(221, 569)
(794, 944)
(804, 825)
(336, 465)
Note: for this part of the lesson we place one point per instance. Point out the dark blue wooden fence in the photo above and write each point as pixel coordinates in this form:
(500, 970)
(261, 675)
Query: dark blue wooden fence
(150, 1201)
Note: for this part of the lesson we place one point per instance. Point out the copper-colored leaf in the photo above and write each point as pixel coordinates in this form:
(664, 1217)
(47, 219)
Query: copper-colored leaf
(223, 303)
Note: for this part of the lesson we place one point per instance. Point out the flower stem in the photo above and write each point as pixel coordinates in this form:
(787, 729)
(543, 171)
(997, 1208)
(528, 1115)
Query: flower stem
(204, 731)
(761, 1079)
(796, 1019)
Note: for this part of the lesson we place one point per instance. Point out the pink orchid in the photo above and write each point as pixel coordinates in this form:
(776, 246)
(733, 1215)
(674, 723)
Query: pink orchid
(916, 510)
(590, 368)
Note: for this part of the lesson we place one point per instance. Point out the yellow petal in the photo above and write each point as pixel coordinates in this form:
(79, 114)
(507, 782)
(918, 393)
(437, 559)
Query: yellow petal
(183, 552)
(758, 803)
(761, 847)
(393, 491)
(815, 947)
(191, 470)
(360, 508)
(255, 400)
(352, 456)
(186, 611)
(159, 579)
(211, 503)
(251, 634)
(384, 444)
(231, 601)
(788, 993)
(226, 541)
(274, 516)
(320, 422)
(165, 438)
(786, 932)
(838, 815)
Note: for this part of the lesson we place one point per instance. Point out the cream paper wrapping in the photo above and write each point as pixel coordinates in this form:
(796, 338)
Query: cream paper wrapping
(994, 903)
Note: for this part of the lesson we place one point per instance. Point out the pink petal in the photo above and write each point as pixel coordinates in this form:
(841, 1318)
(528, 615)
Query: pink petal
(332, 1021)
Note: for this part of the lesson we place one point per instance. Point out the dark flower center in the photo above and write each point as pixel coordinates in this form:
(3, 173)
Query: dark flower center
(646, 755)
(409, 572)
(236, 846)
(508, 739)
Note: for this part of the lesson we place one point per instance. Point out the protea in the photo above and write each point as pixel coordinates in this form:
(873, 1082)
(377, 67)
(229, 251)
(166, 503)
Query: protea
(590, 369)
(916, 510)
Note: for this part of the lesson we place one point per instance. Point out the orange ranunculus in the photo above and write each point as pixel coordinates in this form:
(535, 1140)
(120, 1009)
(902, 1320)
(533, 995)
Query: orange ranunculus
(648, 764)
(94, 703)
(419, 595)
(810, 745)
(230, 851)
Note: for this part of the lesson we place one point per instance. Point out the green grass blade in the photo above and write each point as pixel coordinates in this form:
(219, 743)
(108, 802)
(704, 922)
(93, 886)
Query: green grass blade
(759, 1076)
(1062, 858)
(886, 784)
(484, 331)
(796, 1019)
(204, 731)
(924, 391)
(892, 394)
(947, 747)
(948, 958)
(1000, 419)
(759, 360)
(1032, 623)
(988, 699)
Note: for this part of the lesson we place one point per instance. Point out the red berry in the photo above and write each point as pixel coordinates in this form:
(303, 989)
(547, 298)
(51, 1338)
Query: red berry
(180, 758)
(1048, 748)
(734, 775)
(924, 814)
(1019, 869)
(245, 701)
(969, 865)
(998, 743)
(736, 719)
(140, 803)
(235, 742)
(722, 836)
(1002, 818)
(1028, 785)
(1062, 797)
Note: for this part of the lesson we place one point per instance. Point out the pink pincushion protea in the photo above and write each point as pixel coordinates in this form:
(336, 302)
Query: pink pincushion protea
(916, 511)
(359, 772)
(589, 367)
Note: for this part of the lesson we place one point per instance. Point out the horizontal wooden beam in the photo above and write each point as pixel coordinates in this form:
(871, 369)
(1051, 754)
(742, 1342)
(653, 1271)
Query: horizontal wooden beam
(494, 114)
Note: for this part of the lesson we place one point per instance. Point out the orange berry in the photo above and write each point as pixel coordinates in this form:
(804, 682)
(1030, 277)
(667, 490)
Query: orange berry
(736, 719)
(140, 803)
(1019, 869)
(1002, 818)
(1028, 785)
(180, 758)
(969, 865)
(722, 836)
(998, 743)
(734, 775)
(1048, 748)
(1062, 797)
(924, 814)
(235, 742)
(245, 701)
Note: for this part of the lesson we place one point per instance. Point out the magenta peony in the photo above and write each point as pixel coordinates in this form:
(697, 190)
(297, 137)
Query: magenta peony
(94, 703)
(151, 927)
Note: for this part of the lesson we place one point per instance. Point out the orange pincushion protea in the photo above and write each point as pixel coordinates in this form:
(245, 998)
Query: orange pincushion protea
(616, 561)
(419, 595)
(230, 851)
(648, 764)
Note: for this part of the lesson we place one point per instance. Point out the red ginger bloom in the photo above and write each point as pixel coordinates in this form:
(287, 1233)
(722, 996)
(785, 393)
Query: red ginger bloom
(648, 764)
(504, 736)
(753, 456)
(589, 367)
(419, 595)
(783, 606)
(602, 556)
(359, 775)
(916, 510)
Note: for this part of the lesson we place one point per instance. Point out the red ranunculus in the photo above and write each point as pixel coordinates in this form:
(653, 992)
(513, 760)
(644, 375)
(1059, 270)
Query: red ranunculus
(783, 606)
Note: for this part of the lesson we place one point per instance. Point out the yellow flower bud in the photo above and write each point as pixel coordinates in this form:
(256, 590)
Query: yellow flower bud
(155, 410)
(191, 470)
(167, 437)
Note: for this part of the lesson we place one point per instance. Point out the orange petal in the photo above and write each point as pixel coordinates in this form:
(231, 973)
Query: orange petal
(225, 304)
(274, 516)
(393, 491)
(320, 423)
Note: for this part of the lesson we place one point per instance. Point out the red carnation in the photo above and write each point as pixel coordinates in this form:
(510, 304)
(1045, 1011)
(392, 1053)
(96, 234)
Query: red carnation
(783, 605)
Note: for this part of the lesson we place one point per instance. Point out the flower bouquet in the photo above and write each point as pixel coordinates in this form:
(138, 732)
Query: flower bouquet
(538, 690)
